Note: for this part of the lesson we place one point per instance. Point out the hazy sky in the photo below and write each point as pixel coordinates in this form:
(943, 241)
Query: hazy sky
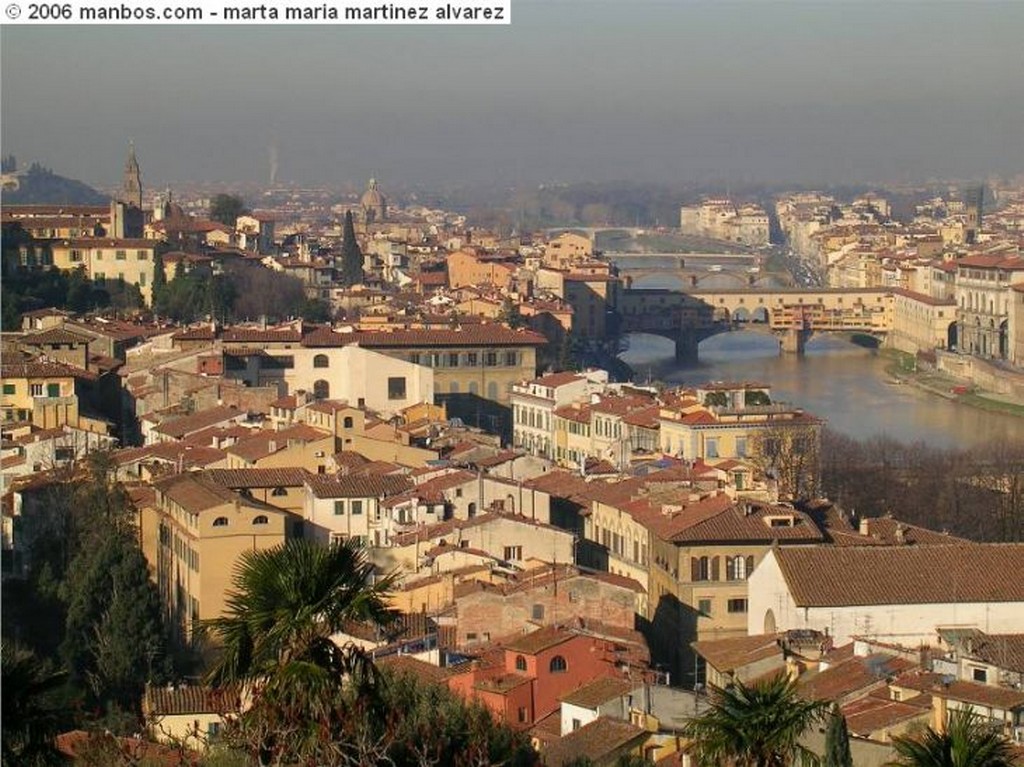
(575, 90)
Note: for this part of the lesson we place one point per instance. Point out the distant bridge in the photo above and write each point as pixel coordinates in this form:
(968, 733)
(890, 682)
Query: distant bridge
(791, 314)
(691, 268)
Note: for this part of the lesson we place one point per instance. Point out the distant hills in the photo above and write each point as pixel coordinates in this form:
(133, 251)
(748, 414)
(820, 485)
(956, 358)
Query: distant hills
(41, 186)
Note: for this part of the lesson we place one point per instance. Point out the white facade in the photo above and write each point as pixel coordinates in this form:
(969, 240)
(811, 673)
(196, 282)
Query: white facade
(772, 608)
(330, 519)
(534, 403)
(364, 378)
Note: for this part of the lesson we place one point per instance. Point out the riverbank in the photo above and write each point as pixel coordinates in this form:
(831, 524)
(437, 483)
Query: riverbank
(903, 368)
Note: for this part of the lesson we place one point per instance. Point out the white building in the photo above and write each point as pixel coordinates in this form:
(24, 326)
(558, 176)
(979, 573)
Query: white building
(899, 594)
(534, 403)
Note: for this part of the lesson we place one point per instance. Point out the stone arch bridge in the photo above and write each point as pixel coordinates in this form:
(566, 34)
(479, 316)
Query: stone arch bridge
(791, 314)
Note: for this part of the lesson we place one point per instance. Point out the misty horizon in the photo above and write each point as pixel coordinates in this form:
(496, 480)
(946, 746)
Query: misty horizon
(648, 92)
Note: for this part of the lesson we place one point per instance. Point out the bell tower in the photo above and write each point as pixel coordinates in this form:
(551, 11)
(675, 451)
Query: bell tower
(131, 179)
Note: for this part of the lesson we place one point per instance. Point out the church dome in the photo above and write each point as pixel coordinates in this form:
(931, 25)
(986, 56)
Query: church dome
(372, 198)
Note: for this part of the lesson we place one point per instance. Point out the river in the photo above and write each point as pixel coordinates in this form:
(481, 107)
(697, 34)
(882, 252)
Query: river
(843, 383)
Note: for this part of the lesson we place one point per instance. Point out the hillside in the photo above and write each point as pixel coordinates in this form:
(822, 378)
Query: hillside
(41, 186)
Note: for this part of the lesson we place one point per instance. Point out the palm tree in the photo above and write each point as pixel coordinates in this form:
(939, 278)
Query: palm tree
(759, 725)
(286, 604)
(31, 719)
(967, 741)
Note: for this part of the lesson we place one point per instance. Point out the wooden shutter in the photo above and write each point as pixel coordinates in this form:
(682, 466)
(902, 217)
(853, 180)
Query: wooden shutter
(714, 568)
(750, 565)
(694, 569)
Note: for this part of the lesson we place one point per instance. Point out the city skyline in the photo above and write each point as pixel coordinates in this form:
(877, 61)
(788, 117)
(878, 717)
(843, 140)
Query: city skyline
(649, 92)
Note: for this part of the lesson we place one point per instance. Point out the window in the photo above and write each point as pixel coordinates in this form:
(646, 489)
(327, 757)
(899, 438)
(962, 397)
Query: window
(538, 612)
(36, 390)
(321, 389)
(520, 663)
(76, 256)
(213, 730)
(9, 388)
(576, 724)
(321, 361)
(513, 552)
(704, 607)
(737, 605)
(741, 447)
(700, 569)
(511, 359)
(492, 390)
(471, 511)
(979, 675)
(396, 387)
(261, 520)
(490, 359)
(142, 280)
(220, 522)
(357, 507)
(711, 448)
(339, 508)
(347, 422)
(523, 714)
(141, 255)
(453, 359)
(470, 636)
(558, 665)
(121, 255)
(471, 359)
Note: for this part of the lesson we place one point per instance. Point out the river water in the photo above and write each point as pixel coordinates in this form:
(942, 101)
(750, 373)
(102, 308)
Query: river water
(836, 380)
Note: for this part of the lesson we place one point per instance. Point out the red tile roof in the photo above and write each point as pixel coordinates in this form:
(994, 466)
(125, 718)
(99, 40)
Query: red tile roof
(877, 575)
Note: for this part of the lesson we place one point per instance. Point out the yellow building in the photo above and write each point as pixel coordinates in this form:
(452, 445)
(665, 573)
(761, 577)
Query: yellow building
(202, 529)
(130, 260)
(45, 394)
(467, 268)
(567, 249)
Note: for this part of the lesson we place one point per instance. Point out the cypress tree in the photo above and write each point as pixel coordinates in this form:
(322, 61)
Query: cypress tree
(159, 275)
(351, 255)
(837, 741)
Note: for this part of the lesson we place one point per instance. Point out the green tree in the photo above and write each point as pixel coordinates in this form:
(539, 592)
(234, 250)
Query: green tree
(759, 725)
(30, 717)
(226, 208)
(837, 741)
(509, 313)
(159, 275)
(967, 741)
(285, 605)
(351, 255)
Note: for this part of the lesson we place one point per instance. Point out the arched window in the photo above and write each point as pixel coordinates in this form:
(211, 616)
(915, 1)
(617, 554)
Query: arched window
(454, 387)
(492, 390)
(472, 509)
(321, 389)
(220, 522)
(261, 520)
(473, 388)
(520, 663)
(558, 665)
(347, 422)
(321, 361)
(278, 492)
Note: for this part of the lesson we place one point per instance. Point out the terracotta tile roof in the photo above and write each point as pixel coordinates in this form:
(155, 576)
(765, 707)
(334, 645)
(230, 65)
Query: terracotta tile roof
(744, 521)
(540, 640)
(405, 664)
(80, 746)
(548, 729)
(888, 530)
(42, 369)
(878, 575)
(598, 692)
(239, 478)
(735, 652)
(876, 712)
(193, 492)
(553, 380)
(468, 335)
(1005, 651)
(363, 486)
(598, 741)
(184, 699)
(924, 298)
(993, 261)
(55, 336)
(180, 427)
(981, 694)
(857, 675)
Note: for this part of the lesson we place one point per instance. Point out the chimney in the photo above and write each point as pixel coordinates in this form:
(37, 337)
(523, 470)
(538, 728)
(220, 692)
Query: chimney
(901, 534)
(862, 526)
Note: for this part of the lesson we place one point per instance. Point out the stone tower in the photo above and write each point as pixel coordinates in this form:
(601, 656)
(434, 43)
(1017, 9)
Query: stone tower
(131, 180)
